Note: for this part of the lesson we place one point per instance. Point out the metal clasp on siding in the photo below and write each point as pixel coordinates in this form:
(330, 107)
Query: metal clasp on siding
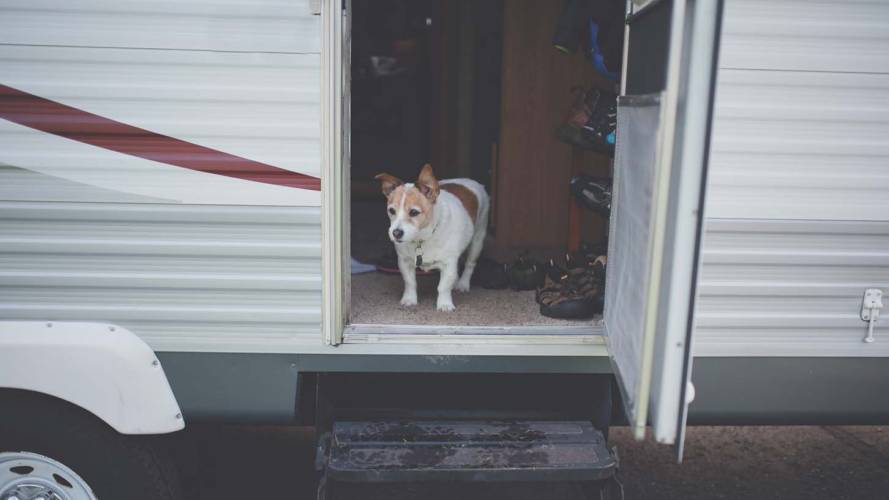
(870, 310)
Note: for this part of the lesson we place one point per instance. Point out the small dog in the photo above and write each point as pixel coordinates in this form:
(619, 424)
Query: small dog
(432, 224)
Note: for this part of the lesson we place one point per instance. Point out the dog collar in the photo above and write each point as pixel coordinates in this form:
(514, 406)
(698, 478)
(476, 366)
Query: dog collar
(419, 250)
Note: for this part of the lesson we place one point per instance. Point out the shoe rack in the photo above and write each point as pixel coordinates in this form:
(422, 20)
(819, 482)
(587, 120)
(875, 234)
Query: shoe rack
(533, 207)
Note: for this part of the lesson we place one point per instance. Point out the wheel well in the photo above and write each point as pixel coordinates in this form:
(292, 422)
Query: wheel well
(59, 429)
(103, 368)
(36, 399)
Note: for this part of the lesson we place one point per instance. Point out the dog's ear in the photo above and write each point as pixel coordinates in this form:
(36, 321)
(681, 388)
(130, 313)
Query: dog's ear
(388, 183)
(427, 183)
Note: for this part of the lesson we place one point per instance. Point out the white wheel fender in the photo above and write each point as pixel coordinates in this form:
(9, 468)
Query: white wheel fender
(104, 369)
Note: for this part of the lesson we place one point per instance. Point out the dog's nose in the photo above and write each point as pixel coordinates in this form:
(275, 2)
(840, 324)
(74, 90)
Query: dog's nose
(397, 233)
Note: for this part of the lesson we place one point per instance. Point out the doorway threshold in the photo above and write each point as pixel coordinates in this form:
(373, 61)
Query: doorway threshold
(588, 333)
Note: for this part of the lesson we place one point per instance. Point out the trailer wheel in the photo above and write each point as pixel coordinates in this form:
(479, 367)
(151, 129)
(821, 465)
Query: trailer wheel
(53, 450)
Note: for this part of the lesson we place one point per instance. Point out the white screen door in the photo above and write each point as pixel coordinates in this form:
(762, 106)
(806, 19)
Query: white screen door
(660, 172)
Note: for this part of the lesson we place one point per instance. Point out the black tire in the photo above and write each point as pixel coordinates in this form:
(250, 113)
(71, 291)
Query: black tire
(116, 466)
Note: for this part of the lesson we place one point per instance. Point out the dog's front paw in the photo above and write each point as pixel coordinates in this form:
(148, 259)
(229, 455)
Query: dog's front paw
(409, 300)
(445, 306)
(462, 286)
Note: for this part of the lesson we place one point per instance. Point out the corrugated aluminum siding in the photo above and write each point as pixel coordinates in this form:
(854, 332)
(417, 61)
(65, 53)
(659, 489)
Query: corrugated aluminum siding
(284, 26)
(791, 145)
(263, 106)
(183, 277)
(830, 36)
(797, 201)
(785, 288)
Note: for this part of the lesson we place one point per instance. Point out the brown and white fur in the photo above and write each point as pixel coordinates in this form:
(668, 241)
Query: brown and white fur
(438, 221)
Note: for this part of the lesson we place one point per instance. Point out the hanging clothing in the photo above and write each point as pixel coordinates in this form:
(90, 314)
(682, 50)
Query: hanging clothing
(597, 25)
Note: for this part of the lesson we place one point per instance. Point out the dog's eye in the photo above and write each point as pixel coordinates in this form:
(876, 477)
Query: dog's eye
(414, 212)
(391, 211)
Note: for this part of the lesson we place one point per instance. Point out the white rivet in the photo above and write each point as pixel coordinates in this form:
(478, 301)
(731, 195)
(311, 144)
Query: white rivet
(178, 416)
(155, 363)
(49, 325)
(111, 328)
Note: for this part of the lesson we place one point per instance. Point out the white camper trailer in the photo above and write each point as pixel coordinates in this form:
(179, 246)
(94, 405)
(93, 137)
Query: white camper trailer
(175, 220)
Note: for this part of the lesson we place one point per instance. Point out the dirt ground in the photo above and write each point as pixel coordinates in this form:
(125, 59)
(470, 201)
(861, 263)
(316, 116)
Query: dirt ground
(720, 462)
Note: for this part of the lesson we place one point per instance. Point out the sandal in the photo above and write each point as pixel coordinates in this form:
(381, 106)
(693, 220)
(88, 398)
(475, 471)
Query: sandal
(553, 276)
(577, 296)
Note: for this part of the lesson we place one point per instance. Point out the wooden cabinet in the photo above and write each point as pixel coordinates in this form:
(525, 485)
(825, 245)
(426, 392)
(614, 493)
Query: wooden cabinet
(532, 203)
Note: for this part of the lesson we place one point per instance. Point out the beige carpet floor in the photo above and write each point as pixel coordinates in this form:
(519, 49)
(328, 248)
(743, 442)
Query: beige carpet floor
(375, 299)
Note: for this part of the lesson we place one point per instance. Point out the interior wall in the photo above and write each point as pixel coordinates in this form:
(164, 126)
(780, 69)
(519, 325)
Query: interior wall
(532, 200)
(390, 101)
(441, 104)
(465, 86)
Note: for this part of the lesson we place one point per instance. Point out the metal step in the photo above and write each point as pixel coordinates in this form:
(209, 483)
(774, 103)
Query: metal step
(410, 450)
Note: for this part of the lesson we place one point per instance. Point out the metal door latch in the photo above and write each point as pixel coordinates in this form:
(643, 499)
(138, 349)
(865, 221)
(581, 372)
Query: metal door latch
(870, 310)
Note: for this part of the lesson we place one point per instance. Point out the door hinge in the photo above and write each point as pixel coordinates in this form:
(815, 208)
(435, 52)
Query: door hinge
(870, 310)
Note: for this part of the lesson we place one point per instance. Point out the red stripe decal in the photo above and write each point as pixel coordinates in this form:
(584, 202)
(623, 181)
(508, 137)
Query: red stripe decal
(78, 125)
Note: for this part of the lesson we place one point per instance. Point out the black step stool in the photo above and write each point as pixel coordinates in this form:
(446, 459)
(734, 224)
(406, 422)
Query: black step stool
(413, 452)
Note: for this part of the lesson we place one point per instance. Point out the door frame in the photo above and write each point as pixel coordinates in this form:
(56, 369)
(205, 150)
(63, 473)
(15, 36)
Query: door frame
(335, 65)
(336, 221)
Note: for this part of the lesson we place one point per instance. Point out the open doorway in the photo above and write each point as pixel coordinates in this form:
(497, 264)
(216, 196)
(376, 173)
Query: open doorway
(514, 95)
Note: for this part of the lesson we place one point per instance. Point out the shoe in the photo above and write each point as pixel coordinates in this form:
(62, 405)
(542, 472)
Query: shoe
(550, 291)
(579, 295)
(526, 274)
(491, 275)
(577, 259)
(592, 122)
(553, 275)
(574, 261)
(571, 27)
(554, 271)
(592, 194)
(586, 253)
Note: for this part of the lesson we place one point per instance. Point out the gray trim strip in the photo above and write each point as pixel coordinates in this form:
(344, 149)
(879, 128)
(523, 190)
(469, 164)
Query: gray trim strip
(798, 391)
(262, 388)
